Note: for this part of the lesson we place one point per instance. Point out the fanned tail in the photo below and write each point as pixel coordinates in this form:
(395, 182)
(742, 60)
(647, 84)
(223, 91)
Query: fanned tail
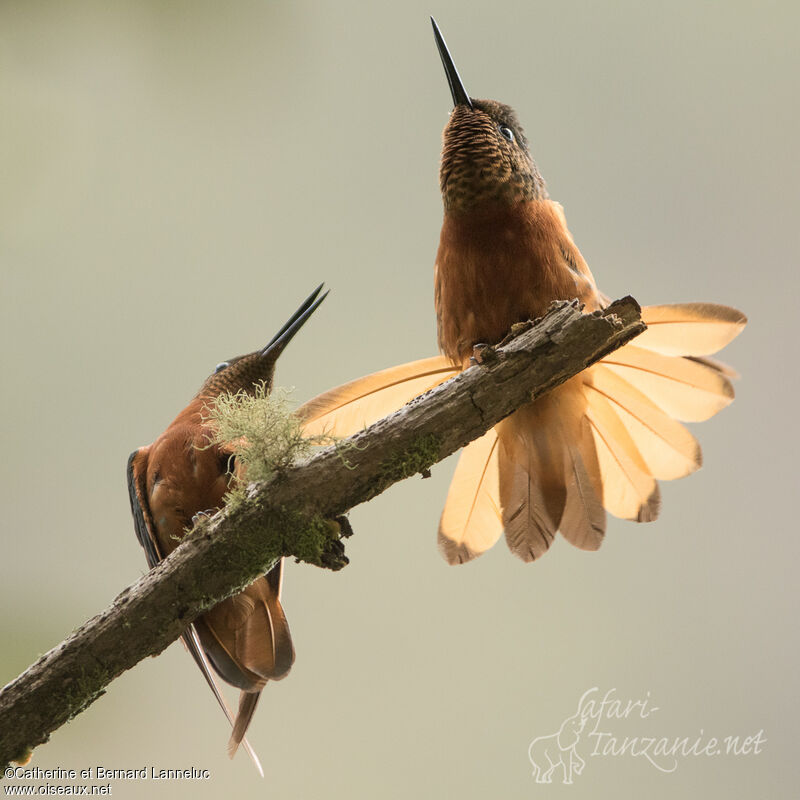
(636, 394)
(598, 443)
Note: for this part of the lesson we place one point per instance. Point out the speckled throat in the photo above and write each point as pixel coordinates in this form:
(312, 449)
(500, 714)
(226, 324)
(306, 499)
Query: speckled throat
(243, 374)
(479, 166)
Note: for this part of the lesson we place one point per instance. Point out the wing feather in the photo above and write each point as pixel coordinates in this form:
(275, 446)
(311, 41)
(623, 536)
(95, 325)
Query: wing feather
(142, 516)
(143, 521)
(247, 637)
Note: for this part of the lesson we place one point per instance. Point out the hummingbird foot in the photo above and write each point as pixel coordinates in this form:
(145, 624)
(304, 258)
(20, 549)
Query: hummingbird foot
(482, 354)
(200, 515)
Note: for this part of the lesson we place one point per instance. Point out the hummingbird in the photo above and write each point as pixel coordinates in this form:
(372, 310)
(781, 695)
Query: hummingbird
(245, 639)
(599, 442)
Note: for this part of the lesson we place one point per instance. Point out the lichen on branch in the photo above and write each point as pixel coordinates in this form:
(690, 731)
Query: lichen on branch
(261, 433)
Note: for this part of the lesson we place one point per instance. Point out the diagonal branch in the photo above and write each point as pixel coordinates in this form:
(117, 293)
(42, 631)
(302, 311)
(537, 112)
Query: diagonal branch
(288, 515)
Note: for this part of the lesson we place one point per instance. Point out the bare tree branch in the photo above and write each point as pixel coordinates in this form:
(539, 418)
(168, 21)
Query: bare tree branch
(288, 516)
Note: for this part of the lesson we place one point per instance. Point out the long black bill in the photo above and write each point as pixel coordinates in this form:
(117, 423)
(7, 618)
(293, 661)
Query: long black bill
(275, 346)
(460, 96)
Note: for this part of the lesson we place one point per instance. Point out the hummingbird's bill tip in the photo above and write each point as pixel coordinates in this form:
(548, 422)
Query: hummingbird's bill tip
(457, 90)
(279, 341)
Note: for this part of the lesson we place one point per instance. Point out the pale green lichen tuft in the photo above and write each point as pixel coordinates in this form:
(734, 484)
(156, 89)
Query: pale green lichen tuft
(263, 434)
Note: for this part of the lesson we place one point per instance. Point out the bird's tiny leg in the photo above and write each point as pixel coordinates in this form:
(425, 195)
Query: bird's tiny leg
(482, 354)
(203, 515)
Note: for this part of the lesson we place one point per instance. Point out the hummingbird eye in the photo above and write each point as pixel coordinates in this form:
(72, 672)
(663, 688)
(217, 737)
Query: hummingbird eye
(506, 132)
(221, 366)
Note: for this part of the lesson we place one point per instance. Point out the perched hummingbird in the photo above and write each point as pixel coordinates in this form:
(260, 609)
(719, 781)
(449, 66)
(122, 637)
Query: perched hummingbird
(245, 639)
(598, 442)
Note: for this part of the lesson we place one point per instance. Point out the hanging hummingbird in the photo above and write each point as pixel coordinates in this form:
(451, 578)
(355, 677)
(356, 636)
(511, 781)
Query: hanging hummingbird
(244, 639)
(598, 442)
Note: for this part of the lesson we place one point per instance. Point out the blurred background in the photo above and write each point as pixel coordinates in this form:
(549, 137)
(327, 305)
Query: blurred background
(177, 176)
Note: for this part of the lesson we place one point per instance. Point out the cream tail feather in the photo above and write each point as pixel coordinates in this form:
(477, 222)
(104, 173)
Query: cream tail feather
(598, 443)
(353, 406)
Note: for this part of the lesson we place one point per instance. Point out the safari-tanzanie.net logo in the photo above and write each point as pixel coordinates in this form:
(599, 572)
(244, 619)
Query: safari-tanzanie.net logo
(612, 726)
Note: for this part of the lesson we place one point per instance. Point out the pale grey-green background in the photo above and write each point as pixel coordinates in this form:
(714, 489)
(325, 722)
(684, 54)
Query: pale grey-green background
(176, 176)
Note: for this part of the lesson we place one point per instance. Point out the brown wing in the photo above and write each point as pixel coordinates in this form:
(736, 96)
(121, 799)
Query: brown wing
(246, 637)
(143, 523)
(142, 518)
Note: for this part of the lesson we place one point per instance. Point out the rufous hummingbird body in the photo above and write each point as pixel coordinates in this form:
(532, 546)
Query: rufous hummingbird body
(598, 442)
(245, 639)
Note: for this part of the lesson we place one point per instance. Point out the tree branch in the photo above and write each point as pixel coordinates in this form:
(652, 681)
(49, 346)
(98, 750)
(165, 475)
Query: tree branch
(288, 515)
